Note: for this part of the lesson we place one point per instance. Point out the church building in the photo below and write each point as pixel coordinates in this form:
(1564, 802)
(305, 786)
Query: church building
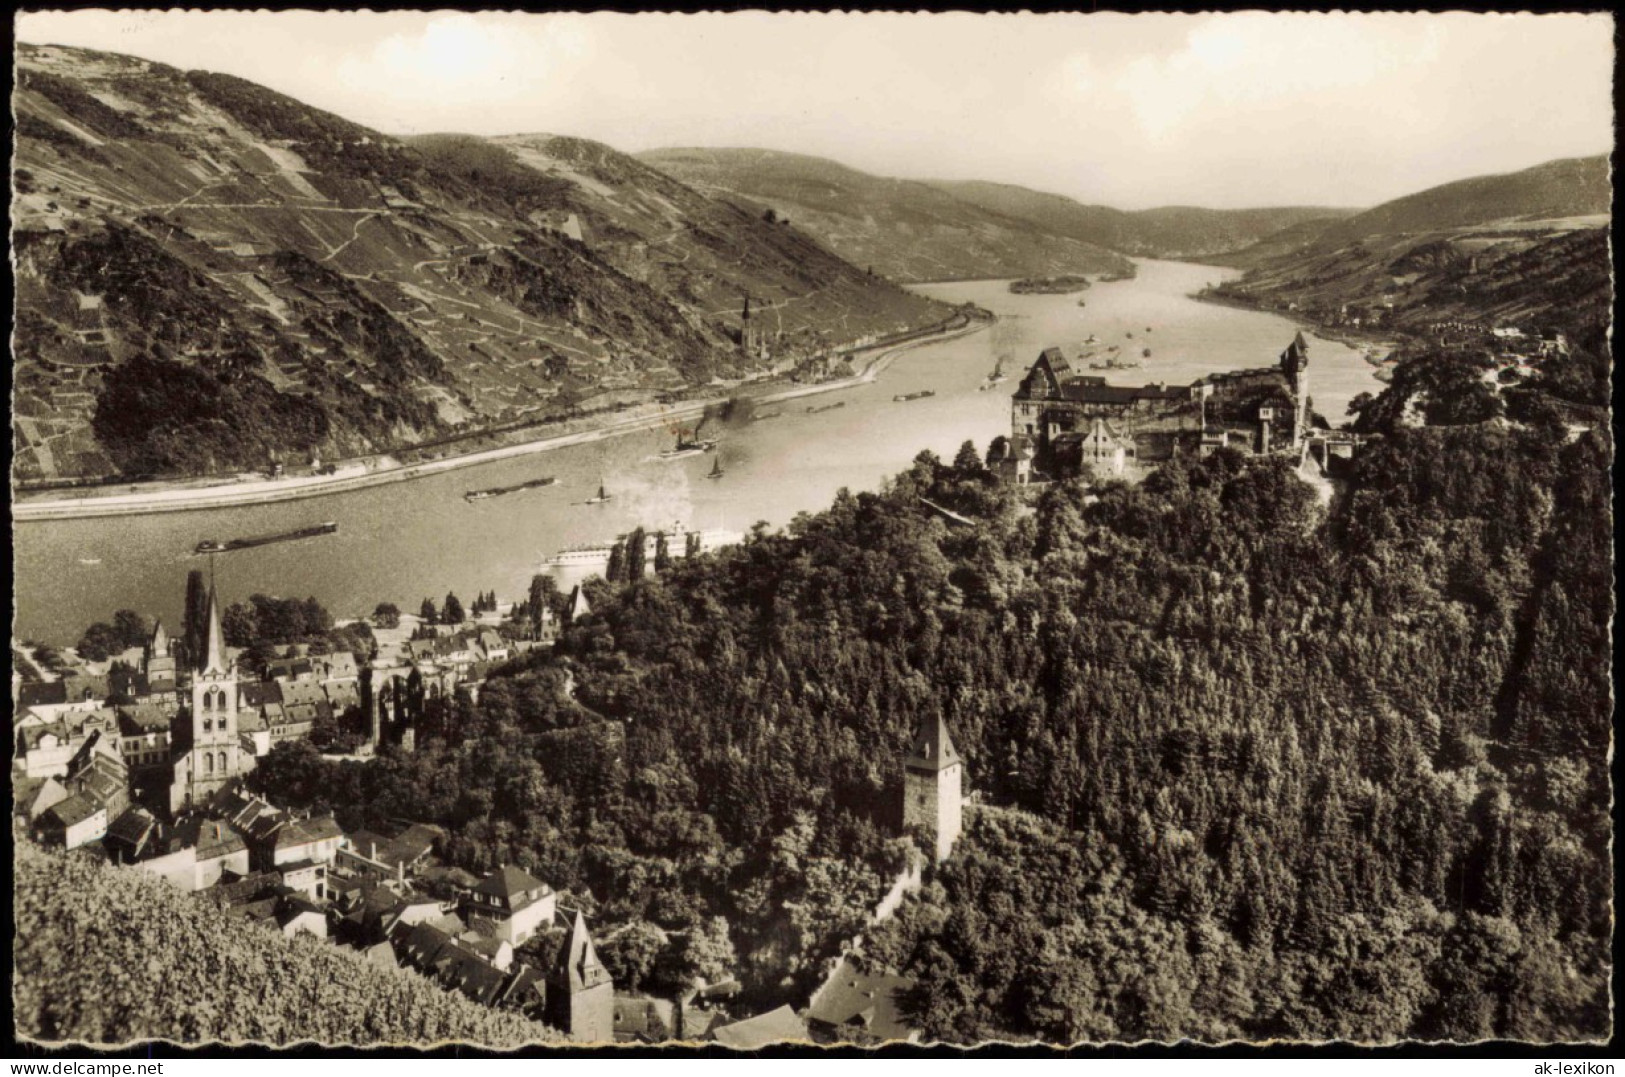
(207, 753)
(752, 335)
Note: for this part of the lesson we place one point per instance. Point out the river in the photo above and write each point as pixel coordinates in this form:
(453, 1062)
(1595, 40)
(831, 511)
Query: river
(406, 540)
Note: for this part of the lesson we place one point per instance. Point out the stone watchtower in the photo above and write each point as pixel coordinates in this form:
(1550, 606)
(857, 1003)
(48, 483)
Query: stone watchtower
(931, 789)
(1295, 365)
(580, 994)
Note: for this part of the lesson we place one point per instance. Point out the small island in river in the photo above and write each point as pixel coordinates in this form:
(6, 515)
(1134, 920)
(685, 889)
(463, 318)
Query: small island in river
(1048, 285)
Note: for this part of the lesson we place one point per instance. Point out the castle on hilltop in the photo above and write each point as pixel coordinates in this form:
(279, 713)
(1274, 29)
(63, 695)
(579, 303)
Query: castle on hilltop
(1062, 420)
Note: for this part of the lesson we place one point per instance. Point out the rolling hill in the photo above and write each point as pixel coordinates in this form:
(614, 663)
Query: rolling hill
(1574, 187)
(905, 230)
(1186, 232)
(212, 276)
(1529, 248)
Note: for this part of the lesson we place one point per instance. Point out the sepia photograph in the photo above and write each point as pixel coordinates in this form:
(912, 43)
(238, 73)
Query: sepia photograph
(756, 530)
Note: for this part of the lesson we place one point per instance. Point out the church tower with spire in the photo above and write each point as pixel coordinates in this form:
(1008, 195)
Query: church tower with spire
(752, 338)
(580, 995)
(931, 788)
(210, 754)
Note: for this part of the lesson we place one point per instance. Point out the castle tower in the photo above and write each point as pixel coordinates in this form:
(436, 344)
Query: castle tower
(211, 754)
(1295, 365)
(580, 995)
(931, 788)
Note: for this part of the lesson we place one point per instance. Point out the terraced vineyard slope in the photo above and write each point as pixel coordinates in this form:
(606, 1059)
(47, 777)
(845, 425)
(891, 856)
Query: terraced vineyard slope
(212, 276)
(111, 956)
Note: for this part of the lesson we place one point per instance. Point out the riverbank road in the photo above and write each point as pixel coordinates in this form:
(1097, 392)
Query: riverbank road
(354, 476)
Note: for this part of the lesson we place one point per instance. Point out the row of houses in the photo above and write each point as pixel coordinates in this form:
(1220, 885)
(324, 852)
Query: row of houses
(158, 709)
(380, 892)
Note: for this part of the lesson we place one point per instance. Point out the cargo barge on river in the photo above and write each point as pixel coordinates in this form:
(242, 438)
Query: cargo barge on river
(214, 546)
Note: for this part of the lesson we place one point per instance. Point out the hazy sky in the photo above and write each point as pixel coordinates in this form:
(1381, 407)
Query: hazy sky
(1127, 110)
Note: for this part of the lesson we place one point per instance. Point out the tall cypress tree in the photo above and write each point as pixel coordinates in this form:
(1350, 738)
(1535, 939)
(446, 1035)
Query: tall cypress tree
(196, 617)
(636, 555)
(542, 590)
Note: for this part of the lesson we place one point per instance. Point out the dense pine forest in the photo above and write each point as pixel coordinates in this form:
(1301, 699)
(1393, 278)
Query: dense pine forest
(1246, 765)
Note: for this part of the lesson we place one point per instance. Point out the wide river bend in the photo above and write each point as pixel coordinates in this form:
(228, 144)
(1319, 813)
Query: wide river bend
(403, 541)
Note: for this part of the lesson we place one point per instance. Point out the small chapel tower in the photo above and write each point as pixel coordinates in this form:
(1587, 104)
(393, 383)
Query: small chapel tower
(158, 664)
(580, 994)
(931, 788)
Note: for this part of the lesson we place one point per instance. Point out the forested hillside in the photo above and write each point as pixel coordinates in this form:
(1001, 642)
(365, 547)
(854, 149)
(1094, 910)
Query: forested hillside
(907, 230)
(1279, 770)
(111, 956)
(1529, 277)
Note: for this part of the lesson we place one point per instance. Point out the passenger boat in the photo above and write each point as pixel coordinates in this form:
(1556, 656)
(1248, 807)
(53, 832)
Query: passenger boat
(921, 395)
(214, 546)
(687, 447)
(589, 557)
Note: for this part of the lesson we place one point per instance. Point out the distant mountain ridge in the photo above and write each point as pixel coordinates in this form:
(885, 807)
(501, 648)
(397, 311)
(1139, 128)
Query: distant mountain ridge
(212, 276)
(938, 229)
(905, 229)
(1165, 232)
